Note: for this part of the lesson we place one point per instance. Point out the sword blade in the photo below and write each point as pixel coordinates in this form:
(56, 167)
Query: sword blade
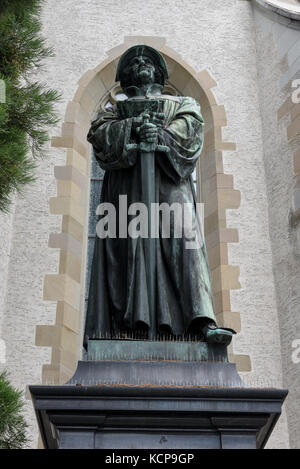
(149, 243)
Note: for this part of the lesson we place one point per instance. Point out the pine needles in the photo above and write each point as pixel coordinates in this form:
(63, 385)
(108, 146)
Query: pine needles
(28, 112)
(13, 426)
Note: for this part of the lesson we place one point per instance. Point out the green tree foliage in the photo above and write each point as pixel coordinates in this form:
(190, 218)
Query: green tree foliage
(13, 426)
(28, 112)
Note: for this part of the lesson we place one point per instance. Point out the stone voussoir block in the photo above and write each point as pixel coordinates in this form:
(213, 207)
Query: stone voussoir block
(85, 100)
(219, 116)
(211, 164)
(218, 181)
(297, 162)
(230, 319)
(222, 235)
(228, 198)
(96, 87)
(67, 206)
(61, 287)
(87, 78)
(68, 189)
(72, 227)
(179, 77)
(215, 221)
(295, 111)
(222, 301)
(56, 336)
(67, 316)
(66, 242)
(76, 113)
(225, 277)
(226, 146)
(70, 264)
(222, 199)
(293, 129)
(108, 76)
(77, 161)
(65, 358)
(47, 335)
(210, 97)
(70, 173)
(243, 362)
(56, 374)
(69, 141)
(75, 130)
(217, 255)
(206, 80)
(193, 89)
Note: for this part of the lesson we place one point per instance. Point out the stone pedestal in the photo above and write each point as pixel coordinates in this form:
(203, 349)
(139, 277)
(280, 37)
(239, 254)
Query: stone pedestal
(158, 403)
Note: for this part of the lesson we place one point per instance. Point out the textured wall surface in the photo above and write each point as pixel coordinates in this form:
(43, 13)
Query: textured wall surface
(6, 223)
(278, 55)
(219, 36)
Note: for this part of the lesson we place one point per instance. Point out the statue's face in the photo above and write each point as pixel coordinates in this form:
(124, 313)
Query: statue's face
(142, 70)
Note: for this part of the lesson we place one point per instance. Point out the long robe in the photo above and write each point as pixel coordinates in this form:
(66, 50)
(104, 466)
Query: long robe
(118, 298)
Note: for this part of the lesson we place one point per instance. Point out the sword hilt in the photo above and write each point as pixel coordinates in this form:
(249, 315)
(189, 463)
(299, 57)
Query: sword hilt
(145, 146)
(136, 146)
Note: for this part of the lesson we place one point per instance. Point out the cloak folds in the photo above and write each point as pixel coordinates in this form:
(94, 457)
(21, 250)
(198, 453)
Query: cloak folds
(118, 299)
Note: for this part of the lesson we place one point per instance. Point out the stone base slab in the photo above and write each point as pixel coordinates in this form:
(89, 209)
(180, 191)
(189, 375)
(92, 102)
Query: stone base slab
(155, 417)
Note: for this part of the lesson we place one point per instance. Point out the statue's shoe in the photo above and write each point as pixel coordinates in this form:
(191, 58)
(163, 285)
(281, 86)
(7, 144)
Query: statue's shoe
(218, 335)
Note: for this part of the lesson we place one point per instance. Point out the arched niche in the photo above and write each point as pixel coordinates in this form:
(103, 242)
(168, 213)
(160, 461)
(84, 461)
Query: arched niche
(215, 189)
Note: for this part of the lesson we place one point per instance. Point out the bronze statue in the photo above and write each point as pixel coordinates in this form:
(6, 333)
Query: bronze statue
(148, 146)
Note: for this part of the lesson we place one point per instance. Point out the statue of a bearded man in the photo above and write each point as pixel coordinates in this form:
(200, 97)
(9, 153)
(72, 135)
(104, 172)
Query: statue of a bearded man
(172, 297)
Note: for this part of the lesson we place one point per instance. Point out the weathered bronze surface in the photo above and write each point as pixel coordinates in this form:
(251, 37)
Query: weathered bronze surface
(149, 145)
(162, 350)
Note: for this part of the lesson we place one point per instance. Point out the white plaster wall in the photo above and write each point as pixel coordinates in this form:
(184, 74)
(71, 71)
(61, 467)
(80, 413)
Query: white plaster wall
(278, 45)
(215, 35)
(6, 222)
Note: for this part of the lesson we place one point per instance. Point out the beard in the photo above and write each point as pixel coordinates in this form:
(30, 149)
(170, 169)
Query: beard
(143, 76)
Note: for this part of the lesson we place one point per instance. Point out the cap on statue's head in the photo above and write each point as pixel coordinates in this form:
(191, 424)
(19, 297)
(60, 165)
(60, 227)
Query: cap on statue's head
(138, 51)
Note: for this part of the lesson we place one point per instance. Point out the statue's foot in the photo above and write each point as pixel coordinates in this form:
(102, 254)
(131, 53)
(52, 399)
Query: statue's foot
(217, 335)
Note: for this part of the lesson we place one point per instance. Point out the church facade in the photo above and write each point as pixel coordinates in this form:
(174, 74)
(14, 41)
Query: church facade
(240, 60)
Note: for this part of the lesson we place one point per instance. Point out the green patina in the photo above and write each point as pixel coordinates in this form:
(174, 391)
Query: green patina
(149, 145)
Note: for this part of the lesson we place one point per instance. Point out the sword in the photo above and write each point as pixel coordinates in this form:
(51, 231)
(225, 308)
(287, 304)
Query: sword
(147, 155)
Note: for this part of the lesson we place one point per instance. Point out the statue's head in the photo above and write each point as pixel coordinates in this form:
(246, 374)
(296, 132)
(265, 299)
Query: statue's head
(141, 65)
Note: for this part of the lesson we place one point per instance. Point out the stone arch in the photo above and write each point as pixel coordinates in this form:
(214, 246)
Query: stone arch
(217, 192)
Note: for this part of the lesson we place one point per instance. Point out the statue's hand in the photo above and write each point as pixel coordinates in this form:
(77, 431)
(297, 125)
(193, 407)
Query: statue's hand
(157, 118)
(148, 133)
(137, 122)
